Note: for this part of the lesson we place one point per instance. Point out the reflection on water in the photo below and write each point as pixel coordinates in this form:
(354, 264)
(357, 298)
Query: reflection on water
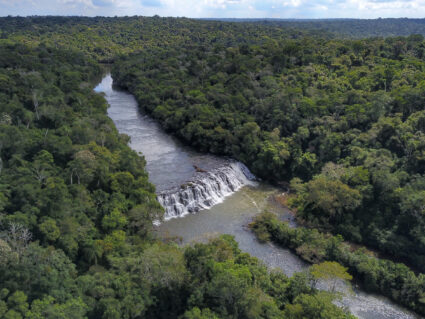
(170, 164)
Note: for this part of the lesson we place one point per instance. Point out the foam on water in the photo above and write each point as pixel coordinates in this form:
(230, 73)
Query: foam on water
(209, 189)
(170, 165)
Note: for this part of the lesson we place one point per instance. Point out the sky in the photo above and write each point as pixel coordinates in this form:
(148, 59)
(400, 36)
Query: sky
(300, 9)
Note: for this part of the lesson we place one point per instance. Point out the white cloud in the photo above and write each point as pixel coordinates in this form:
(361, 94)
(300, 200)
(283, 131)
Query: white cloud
(77, 3)
(220, 8)
(292, 3)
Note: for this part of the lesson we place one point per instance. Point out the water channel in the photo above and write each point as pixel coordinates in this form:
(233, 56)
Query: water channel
(221, 196)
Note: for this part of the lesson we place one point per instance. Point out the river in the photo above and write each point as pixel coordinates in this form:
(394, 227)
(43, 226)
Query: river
(221, 196)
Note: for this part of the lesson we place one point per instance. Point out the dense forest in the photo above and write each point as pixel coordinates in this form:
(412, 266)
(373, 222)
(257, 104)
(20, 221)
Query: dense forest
(347, 28)
(76, 213)
(342, 120)
(105, 38)
(394, 280)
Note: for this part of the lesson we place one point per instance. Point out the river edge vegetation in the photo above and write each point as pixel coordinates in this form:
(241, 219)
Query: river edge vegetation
(77, 211)
(342, 119)
(76, 203)
(394, 280)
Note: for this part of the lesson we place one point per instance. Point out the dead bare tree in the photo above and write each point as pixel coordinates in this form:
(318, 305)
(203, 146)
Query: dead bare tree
(15, 241)
(35, 102)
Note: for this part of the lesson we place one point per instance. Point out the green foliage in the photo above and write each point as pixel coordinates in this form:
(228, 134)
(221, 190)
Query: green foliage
(115, 220)
(196, 313)
(344, 116)
(67, 181)
(48, 308)
(343, 119)
(314, 306)
(50, 230)
(328, 270)
(77, 211)
(332, 196)
(352, 28)
(234, 285)
(328, 252)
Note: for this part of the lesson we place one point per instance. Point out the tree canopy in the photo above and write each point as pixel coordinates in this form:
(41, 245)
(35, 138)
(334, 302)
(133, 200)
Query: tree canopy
(77, 212)
(342, 119)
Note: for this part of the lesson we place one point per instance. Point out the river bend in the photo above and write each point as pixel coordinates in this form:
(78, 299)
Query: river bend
(170, 165)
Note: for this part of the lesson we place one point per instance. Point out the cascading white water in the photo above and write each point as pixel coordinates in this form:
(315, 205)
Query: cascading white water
(206, 190)
(169, 163)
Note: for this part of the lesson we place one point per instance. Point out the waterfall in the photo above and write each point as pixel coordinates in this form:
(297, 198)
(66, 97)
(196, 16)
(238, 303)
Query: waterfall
(206, 190)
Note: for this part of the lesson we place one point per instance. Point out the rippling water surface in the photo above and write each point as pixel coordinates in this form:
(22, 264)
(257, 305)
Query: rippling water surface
(171, 164)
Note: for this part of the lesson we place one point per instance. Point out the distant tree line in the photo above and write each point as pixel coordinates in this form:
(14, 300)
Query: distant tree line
(346, 28)
(343, 120)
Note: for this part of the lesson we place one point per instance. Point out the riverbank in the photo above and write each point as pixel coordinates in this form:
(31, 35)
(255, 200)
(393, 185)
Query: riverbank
(230, 215)
(395, 281)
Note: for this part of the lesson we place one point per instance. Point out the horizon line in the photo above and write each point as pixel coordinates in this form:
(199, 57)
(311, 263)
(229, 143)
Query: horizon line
(203, 18)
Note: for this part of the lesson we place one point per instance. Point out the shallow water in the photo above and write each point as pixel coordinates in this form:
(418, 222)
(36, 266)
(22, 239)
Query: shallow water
(171, 164)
